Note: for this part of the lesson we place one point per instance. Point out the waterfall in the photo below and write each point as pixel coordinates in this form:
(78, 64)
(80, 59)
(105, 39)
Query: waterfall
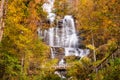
(51, 36)
(62, 36)
(61, 62)
(70, 32)
(52, 53)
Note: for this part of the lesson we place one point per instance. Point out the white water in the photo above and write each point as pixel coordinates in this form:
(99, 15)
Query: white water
(60, 75)
(65, 36)
(48, 7)
(61, 62)
(51, 36)
(52, 53)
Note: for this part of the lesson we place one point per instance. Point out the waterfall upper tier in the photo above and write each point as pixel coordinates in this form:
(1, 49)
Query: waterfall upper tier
(48, 7)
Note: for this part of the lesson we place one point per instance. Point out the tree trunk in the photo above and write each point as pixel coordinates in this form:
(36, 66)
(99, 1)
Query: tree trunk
(1, 18)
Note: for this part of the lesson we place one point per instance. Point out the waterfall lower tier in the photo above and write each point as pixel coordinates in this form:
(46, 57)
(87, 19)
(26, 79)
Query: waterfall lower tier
(52, 53)
(60, 52)
(76, 52)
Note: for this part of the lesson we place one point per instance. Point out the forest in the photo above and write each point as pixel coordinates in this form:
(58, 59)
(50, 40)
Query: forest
(26, 55)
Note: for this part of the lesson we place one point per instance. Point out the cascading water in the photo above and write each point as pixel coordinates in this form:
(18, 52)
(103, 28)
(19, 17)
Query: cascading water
(62, 36)
(48, 7)
(52, 53)
(51, 36)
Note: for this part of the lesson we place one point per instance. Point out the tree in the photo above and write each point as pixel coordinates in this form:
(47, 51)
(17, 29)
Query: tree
(19, 45)
(80, 69)
(111, 72)
(2, 10)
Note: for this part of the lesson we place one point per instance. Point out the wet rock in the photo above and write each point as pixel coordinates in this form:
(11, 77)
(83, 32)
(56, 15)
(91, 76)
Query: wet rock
(60, 24)
(59, 53)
